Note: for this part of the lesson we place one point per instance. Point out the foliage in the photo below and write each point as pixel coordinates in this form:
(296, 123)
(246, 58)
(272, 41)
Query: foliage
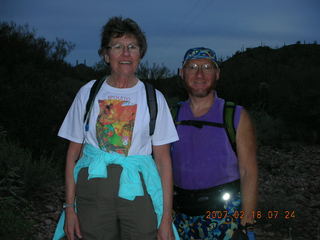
(14, 224)
(172, 88)
(35, 83)
(269, 130)
(280, 82)
(23, 177)
(61, 48)
(23, 180)
(155, 72)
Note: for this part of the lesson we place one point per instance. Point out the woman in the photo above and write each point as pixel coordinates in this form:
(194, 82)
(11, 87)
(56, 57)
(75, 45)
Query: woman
(115, 184)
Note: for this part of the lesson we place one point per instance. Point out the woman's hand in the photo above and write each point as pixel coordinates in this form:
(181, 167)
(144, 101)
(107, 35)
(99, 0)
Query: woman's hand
(163, 161)
(165, 231)
(71, 226)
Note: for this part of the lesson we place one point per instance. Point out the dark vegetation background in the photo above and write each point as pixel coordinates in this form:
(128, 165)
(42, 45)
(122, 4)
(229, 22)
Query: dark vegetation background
(280, 88)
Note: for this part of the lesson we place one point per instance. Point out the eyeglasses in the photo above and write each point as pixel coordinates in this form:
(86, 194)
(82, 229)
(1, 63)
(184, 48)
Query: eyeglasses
(193, 67)
(119, 48)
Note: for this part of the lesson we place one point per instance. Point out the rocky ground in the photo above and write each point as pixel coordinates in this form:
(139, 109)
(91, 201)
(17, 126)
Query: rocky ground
(290, 185)
(289, 196)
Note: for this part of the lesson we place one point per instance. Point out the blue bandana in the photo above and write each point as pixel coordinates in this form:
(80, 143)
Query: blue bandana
(200, 53)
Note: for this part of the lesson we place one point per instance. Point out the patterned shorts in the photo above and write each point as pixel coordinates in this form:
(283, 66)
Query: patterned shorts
(214, 225)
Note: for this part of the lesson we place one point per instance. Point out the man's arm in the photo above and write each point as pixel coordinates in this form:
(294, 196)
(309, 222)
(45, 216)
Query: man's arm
(163, 160)
(246, 149)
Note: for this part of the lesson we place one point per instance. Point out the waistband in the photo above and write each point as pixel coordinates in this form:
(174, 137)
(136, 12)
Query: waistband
(130, 184)
(198, 202)
(234, 185)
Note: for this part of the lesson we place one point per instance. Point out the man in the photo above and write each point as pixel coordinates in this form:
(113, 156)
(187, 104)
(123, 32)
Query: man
(215, 184)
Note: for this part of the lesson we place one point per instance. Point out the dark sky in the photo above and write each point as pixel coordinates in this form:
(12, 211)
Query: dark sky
(171, 26)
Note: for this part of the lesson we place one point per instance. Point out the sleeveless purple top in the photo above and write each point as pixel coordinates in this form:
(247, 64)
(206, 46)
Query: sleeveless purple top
(203, 157)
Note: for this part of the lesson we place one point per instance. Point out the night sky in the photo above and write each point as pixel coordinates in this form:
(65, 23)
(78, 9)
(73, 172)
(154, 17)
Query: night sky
(171, 26)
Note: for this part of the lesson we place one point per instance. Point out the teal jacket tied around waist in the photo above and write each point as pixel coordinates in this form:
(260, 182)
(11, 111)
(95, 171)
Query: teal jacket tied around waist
(130, 183)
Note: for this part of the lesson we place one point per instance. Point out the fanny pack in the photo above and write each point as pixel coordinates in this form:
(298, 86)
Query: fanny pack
(198, 202)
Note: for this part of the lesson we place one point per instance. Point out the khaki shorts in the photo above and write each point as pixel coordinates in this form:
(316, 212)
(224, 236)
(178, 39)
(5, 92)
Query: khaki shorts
(105, 216)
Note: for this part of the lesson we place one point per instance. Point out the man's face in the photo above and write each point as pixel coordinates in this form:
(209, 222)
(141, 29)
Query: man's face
(200, 76)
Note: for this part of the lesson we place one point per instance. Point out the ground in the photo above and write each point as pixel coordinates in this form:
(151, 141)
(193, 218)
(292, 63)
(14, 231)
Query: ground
(289, 196)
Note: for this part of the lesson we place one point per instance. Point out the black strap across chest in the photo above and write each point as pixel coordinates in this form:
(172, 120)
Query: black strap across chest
(228, 122)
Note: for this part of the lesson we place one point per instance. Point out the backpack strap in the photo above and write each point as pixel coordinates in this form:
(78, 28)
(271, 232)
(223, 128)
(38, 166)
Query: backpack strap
(228, 120)
(151, 101)
(93, 93)
(152, 106)
(199, 124)
(174, 110)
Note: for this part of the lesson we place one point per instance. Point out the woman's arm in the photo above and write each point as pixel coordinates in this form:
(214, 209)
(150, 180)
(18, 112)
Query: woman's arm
(71, 226)
(163, 160)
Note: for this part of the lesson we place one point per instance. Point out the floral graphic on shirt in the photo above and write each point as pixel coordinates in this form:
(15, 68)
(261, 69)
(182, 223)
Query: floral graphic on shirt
(115, 125)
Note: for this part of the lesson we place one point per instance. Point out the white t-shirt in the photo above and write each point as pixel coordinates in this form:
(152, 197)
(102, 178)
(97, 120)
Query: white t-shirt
(119, 120)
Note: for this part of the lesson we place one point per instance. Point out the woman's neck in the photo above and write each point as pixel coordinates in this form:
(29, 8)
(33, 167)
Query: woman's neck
(122, 81)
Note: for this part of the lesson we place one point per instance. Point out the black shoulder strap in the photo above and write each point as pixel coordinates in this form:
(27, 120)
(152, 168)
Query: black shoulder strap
(228, 120)
(196, 123)
(93, 93)
(175, 111)
(199, 124)
(151, 101)
(152, 106)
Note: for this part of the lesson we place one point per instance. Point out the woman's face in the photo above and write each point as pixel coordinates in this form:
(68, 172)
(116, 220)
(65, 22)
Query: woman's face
(123, 55)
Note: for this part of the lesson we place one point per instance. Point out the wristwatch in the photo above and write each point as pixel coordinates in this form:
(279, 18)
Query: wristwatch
(66, 205)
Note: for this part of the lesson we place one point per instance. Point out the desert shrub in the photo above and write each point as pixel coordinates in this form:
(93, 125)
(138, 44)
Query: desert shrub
(37, 87)
(23, 177)
(23, 181)
(269, 130)
(13, 223)
(173, 101)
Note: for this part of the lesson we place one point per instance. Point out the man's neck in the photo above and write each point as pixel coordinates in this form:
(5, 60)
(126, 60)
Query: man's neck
(201, 105)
